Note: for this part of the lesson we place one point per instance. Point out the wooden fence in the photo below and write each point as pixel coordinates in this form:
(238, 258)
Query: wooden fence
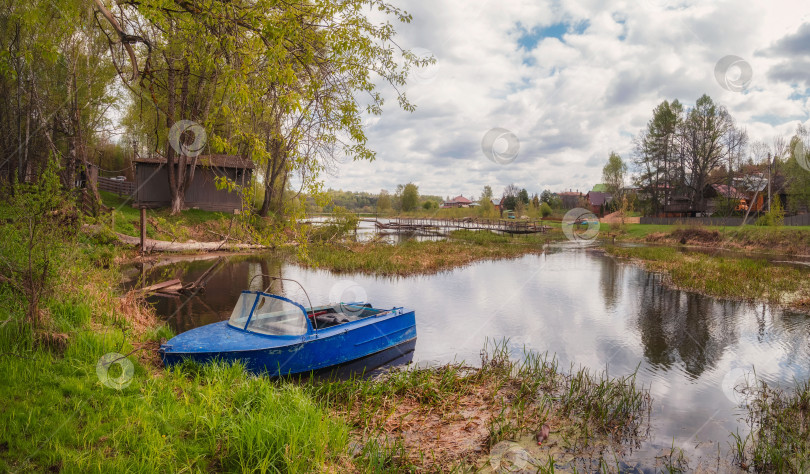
(121, 188)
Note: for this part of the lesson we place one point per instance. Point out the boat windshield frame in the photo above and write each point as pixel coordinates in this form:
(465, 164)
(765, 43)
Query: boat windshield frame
(253, 304)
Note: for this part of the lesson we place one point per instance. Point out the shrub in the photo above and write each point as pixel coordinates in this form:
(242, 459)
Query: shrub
(38, 238)
(545, 210)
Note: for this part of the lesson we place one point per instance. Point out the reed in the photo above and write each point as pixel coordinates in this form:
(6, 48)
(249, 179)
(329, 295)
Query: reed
(779, 423)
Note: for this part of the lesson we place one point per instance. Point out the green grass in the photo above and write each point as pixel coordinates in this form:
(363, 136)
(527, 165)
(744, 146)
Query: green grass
(58, 415)
(779, 440)
(162, 225)
(725, 277)
(784, 239)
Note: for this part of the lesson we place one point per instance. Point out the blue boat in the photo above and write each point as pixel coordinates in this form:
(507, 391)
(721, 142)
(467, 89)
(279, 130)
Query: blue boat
(277, 336)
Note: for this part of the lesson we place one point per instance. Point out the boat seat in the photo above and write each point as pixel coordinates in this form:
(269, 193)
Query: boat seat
(328, 320)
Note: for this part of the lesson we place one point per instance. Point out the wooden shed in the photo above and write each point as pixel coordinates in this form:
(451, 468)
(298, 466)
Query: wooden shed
(152, 182)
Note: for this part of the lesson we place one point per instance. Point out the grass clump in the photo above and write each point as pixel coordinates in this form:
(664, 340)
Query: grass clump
(779, 440)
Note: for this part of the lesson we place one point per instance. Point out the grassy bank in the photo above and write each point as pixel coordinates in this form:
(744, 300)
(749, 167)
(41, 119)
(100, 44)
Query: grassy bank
(449, 418)
(412, 257)
(191, 224)
(724, 277)
(788, 240)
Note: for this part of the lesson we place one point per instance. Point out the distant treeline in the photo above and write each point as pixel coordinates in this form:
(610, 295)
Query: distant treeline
(361, 201)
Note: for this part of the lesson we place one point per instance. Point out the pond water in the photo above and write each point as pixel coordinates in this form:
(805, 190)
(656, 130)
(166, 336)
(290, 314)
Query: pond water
(588, 308)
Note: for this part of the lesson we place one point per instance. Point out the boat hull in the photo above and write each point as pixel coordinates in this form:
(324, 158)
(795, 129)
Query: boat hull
(276, 356)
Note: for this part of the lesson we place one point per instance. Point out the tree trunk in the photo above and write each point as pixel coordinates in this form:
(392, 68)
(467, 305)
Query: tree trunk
(177, 204)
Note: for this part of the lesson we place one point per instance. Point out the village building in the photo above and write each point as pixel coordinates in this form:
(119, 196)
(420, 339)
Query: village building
(152, 189)
(458, 201)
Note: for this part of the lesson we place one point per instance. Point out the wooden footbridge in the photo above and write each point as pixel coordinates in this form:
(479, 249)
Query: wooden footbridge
(434, 225)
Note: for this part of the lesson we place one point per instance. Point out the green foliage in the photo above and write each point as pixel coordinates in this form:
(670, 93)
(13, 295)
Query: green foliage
(410, 197)
(486, 208)
(486, 193)
(613, 173)
(384, 201)
(775, 217)
(339, 225)
(38, 239)
(545, 209)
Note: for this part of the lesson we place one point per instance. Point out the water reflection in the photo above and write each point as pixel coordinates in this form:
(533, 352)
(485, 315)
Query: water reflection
(677, 326)
(588, 308)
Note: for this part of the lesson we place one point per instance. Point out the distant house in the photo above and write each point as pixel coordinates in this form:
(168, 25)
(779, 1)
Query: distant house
(152, 188)
(458, 201)
(723, 191)
(597, 201)
(496, 203)
(570, 199)
(600, 188)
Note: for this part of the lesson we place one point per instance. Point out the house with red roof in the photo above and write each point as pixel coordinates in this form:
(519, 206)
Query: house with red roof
(458, 201)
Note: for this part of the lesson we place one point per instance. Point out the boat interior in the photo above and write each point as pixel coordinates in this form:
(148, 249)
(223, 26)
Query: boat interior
(334, 315)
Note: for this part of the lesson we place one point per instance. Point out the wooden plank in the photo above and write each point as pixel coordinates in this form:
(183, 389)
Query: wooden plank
(158, 286)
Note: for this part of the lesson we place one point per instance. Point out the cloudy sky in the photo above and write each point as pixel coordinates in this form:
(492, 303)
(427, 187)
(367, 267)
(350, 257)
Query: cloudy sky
(568, 81)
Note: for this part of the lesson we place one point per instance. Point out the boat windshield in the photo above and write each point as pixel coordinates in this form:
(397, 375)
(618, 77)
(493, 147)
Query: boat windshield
(271, 315)
(241, 311)
(277, 317)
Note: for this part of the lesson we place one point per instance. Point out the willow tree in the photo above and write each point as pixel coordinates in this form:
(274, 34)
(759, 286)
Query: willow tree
(264, 77)
(307, 125)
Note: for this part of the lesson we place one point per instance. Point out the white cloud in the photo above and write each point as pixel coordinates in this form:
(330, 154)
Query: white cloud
(572, 100)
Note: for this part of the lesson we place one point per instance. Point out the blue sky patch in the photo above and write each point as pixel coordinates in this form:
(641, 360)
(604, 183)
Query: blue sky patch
(530, 38)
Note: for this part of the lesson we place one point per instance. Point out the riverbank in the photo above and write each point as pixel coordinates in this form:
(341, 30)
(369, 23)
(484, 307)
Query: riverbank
(739, 278)
(458, 417)
(463, 247)
(780, 240)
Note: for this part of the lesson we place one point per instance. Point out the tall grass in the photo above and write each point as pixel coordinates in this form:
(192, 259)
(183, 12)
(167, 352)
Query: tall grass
(779, 440)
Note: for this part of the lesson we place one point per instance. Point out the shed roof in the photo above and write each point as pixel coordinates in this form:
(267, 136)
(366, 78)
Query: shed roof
(597, 198)
(728, 191)
(215, 161)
